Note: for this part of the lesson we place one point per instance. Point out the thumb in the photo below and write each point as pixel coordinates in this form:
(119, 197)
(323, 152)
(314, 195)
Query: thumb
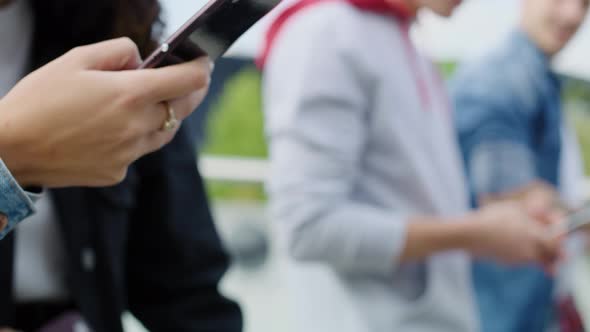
(111, 55)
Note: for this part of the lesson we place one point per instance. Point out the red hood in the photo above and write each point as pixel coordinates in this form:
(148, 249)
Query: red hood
(394, 8)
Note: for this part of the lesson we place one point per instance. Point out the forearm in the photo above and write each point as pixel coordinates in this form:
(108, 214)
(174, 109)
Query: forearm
(427, 236)
(351, 237)
(382, 237)
(539, 194)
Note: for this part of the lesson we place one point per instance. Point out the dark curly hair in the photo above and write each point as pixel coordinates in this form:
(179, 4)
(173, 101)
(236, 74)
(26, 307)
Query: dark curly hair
(63, 24)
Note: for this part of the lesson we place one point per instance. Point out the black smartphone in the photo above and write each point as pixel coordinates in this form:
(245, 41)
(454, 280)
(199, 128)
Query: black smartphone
(211, 31)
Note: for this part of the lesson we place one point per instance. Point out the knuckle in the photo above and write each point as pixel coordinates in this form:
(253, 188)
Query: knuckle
(76, 51)
(127, 43)
(75, 54)
(189, 104)
(200, 79)
(184, 108)
(116, 175)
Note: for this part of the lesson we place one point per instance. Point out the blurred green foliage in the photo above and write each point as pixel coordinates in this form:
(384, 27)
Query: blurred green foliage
(447, 68)
(235, 128)
(235, 125)
(581, 120)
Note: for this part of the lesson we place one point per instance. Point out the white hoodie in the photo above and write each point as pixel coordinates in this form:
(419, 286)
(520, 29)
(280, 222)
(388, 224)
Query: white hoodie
(360, 138)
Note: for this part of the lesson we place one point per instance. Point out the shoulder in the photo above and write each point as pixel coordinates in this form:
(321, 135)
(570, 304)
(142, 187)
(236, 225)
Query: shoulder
(332, 25)
(499, 77)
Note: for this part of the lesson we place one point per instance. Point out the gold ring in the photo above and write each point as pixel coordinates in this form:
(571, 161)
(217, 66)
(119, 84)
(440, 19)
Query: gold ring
(172, 122)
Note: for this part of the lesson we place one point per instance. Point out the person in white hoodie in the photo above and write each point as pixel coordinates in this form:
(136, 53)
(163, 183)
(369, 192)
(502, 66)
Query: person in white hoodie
(366, 176)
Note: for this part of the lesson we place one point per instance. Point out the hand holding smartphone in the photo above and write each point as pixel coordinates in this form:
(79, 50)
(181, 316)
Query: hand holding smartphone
(211, 31)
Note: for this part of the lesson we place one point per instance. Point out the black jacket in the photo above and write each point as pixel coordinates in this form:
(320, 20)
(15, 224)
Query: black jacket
(148, 245)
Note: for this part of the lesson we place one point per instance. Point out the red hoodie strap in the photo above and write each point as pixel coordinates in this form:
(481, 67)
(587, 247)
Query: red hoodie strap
(392, 7)
(396, 8)
(277, 26)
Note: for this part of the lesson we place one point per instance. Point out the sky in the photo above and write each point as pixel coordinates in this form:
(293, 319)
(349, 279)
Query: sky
(475, 27)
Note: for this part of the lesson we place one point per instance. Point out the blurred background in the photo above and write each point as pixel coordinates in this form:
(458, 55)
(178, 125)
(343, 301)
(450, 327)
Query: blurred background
(229, 130)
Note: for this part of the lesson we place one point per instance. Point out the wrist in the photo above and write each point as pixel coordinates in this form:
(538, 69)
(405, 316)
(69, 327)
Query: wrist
(472, 232)
(463, 232)
(13, 147)
(431, 235)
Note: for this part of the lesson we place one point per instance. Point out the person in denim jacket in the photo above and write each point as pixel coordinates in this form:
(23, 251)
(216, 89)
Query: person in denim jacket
(516, 145)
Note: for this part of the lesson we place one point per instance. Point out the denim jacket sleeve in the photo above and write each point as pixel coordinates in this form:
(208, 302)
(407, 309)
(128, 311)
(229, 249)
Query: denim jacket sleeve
(15, 203)
(492, 122)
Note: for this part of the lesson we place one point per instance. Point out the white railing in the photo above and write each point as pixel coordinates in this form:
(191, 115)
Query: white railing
(234, 169)
(251, 170)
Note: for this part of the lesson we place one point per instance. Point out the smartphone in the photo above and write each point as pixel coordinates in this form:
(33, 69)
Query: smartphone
(575, 221)
(211, 31)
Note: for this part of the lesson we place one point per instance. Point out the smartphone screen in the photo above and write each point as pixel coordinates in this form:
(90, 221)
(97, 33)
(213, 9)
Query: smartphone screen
(211, 31)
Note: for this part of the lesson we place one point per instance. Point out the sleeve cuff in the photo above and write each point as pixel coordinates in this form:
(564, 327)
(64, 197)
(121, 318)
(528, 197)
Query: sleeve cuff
(382, 238)
(357, 240)
(15, 203)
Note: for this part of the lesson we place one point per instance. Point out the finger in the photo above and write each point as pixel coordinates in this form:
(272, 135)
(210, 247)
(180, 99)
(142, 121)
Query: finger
(182, 108)
(557, 217)
(157, 136)
(111, 55)
(185, 106)
(549, 250)
(158, 115)
(160, 139)
(540, 206)
(541, 215)
(173, 82)
(550, 269)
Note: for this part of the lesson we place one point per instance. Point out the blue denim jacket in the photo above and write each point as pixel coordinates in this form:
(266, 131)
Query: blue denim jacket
(508, 118)
(15, 203)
